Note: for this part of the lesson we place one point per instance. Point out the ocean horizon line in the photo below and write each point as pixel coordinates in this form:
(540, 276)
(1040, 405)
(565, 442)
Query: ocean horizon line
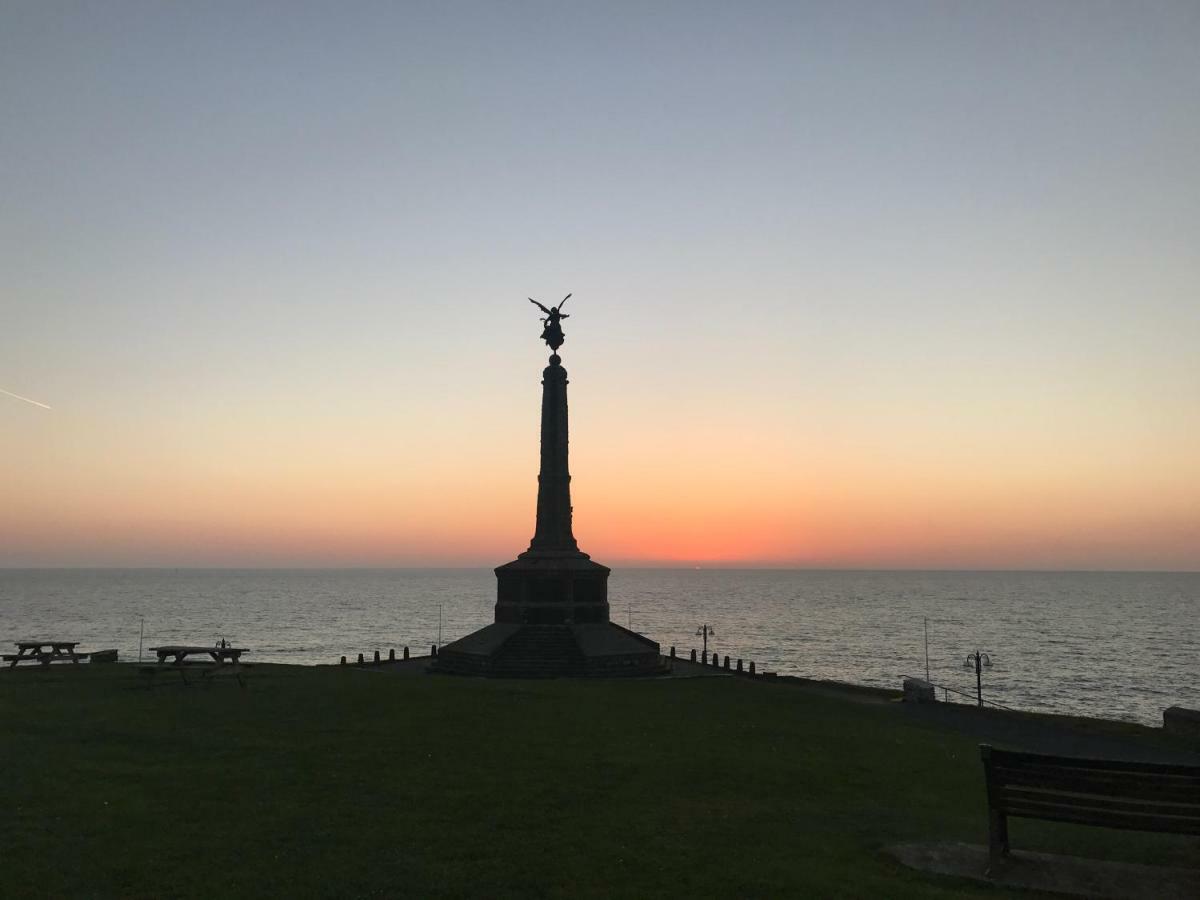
(641, 566)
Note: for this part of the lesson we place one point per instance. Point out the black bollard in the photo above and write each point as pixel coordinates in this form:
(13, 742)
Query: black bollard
(739, 665)
(343, 660)
(392, 655)
(716, 660)
(376, 657)
(360, 659)
(751, 667)
(672, 651)
(406, 651)
(726, 663)
(693, 654)
(433, 650)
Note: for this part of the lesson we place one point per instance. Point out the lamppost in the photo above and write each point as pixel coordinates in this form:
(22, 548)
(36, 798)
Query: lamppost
(978, 661)
(704, 631)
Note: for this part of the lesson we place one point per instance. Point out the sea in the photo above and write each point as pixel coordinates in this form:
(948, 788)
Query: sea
(1122, 645)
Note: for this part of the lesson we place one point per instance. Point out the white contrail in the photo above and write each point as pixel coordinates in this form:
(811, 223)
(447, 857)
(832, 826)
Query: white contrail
(26, 399)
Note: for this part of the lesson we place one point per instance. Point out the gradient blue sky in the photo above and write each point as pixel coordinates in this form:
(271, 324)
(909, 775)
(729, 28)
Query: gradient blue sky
(856, 283)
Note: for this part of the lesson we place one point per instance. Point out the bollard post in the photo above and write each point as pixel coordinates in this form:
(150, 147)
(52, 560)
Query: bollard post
(360, 659)
(672, 651)
(726, 663)
(693, 654)
(392, 655)
(376, 657)
(406, 651)
(716, 660)
(739, 665)
(343, 660)
(433, 650)
(751, 667)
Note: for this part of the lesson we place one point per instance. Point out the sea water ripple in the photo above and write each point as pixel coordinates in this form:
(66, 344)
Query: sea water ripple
(1114, 644)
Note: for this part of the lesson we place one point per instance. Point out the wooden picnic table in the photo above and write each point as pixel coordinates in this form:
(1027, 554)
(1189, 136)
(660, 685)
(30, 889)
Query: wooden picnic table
(179, 653)
(45, 652)
(222, 660)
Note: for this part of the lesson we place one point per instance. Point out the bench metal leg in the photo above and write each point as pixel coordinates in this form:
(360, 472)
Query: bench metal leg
(997, 838)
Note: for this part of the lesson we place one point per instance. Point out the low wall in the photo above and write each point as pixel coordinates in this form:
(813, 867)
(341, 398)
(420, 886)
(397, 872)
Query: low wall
(1178, 720)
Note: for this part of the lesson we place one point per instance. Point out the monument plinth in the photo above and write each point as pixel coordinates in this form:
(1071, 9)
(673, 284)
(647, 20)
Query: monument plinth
(552, 600)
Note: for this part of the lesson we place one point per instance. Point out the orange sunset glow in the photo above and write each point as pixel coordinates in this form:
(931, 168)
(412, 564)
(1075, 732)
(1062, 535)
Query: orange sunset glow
(784, 490)
(857, 301)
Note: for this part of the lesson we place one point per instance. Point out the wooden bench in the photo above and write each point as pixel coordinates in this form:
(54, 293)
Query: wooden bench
(1129, 795)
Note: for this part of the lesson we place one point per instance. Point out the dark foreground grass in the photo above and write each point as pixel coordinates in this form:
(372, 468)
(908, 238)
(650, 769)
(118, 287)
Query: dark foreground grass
(332, 782)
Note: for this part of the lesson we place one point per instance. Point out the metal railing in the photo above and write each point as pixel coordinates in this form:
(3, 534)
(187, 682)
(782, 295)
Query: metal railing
(946, 691)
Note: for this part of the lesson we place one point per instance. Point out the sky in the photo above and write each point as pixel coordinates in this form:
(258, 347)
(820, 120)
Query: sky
(862, 285)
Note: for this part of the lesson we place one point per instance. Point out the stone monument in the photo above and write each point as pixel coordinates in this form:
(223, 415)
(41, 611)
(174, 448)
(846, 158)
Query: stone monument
(552, 600)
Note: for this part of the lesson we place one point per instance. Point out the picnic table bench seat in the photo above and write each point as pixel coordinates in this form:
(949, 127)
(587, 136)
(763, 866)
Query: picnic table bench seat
(44, 652)
(1135, 796)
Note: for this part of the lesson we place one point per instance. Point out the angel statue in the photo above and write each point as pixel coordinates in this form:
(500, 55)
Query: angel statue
(552, 332)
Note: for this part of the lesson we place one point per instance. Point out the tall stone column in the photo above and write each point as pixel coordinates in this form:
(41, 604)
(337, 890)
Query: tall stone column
(553, 582)
(552, 533)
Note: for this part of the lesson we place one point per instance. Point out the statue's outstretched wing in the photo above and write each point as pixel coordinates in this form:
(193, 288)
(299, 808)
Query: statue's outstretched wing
(539, 306)
(564, 300)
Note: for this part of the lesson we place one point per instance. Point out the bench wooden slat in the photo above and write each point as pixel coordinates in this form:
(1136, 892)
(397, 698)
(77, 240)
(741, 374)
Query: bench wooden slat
(1145, 787)
(1015, 797)
(1012, 759)
(1106, 819)
(1098, 775)
(1184, 777)
(1101, 812)
(1168, 805)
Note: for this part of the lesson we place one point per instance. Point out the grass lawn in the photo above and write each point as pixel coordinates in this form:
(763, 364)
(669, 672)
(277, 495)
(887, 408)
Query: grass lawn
(328, 781)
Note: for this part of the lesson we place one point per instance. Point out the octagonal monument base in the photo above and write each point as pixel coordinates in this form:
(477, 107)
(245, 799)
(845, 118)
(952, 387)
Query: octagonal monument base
(551, 622)
(509, 650)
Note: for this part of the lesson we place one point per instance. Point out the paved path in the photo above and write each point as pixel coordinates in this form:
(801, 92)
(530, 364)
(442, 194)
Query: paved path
(1043, 734)
(1020, 731)
(1028, 870)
